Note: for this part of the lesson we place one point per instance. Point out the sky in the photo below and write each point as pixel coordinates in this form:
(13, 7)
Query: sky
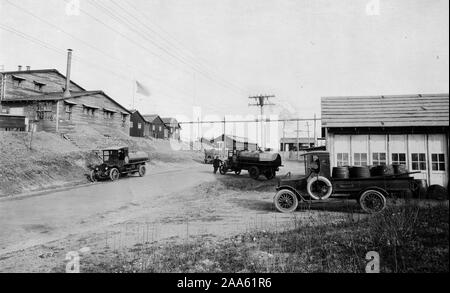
(213, 54)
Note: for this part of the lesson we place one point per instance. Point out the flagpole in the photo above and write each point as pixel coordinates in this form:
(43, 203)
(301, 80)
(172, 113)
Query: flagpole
(134, 92)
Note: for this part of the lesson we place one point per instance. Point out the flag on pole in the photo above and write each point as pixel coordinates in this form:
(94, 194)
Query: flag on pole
(141, 89)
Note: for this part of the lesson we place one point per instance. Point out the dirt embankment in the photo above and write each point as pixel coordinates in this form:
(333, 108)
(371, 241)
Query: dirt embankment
(45, 160)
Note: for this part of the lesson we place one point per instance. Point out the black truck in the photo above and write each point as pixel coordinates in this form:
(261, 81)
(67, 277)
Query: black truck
(257, 163)
(117, 161)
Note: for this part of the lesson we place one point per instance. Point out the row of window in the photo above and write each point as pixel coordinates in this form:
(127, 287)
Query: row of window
(139, 126)
(38, 86)
(106, 114)
(44, 112)
(418, 160)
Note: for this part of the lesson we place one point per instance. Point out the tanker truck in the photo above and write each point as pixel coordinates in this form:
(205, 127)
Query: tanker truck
(117, 161)
(255, 162)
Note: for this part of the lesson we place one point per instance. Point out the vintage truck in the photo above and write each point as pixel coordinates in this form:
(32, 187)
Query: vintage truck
(318, 185)
(257, 163)
(117, 161)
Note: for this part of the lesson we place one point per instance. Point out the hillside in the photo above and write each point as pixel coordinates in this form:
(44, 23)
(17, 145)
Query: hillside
(55, 161)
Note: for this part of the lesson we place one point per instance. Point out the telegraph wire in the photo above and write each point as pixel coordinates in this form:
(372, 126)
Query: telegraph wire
(171, 43)
(124, 21)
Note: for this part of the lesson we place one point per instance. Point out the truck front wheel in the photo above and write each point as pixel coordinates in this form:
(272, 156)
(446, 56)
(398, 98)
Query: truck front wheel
(254, 172)
(114, 174)
(142, 170)
(285, 201)
(372, 201)
(93, 176)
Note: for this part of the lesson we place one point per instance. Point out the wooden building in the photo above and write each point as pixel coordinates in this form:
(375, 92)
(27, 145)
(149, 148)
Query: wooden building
(54, 113)
(146, 125)
(291, 144)
(233, 143)
(39, 96)
(412, 130)
(19, 84)
(172, 128)
(157, 127)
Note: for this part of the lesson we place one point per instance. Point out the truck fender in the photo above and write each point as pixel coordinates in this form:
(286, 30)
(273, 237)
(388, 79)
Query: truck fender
(299, 196)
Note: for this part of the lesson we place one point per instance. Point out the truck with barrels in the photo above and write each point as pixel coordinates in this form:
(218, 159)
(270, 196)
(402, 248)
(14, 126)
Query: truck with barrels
(255, 162)
(370, 187)
(118, 161)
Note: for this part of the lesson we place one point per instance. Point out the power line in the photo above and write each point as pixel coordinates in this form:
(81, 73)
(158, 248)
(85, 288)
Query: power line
(129, 25)
(261, 101)
(94, 48)
(171, 43)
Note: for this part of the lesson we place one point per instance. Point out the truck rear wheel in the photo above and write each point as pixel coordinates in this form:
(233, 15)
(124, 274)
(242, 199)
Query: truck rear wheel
(269, 173)
(372, 201)
(285, 201)
(114, 174)
(237, 172)
(142, 170)
(254, 172)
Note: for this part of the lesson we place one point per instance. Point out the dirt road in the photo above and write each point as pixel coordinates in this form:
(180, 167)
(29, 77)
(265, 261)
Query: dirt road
(37, 232)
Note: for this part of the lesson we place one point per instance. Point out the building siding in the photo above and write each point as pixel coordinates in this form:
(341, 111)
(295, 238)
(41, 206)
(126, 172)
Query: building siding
(54, 82)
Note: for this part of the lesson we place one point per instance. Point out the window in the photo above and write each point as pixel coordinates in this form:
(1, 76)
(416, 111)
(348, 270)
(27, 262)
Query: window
(360, 159)
(124, 119)
(44, 111)
(139, 125)
(108, 115)
(399, 159)
(418, 161)
(379, 159)
(160, 128)
(153, 127)
(89, 111)
(438, 162)
(17, 81)
(68, 112)
(131, 124)
(342, 159)
(38, 86)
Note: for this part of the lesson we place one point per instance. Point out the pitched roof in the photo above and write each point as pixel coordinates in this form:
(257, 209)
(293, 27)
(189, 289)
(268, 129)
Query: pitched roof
(39, 71)
(151, 117)
(58, 96)
(386, 111)
(235, 138)
(171, 121)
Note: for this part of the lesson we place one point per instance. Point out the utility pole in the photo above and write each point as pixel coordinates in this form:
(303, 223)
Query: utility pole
(224, 138)
(261, 101)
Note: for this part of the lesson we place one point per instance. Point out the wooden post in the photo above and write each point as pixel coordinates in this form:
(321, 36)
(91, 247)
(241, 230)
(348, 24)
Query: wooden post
(315, 133)
(57, 116)
(298, 141)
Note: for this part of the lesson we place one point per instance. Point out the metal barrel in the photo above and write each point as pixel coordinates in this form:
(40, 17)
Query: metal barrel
(359, 172)
(341, 172)
(381, 170)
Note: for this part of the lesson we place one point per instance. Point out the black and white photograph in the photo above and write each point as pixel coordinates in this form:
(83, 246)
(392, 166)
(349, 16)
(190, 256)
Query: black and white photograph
(236, 138)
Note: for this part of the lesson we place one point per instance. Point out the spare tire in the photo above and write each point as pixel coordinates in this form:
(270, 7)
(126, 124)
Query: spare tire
(436, 191)
(319, 187)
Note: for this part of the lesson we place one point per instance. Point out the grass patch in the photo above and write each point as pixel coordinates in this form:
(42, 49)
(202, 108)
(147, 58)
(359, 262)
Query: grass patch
(408, 238)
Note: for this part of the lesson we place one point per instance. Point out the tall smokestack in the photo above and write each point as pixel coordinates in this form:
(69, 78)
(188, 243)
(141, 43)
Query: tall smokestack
(69, 63)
